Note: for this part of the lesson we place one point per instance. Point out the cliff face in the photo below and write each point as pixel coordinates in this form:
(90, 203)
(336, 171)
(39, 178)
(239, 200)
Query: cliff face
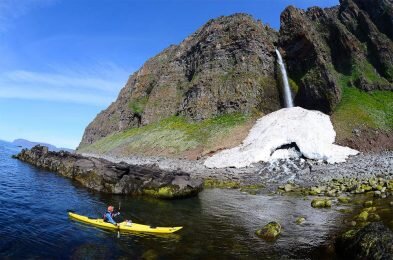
(328, 49)
(228, 65)
(334, 56)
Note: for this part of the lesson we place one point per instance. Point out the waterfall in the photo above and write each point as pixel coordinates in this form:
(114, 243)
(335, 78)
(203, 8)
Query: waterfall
(288, 102)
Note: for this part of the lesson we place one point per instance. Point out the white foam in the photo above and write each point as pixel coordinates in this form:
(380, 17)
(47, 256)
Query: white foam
(312, 131)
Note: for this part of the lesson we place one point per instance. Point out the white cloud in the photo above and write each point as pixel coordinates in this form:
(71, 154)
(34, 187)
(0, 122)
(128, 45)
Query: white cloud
(12, 9)
(98, 86)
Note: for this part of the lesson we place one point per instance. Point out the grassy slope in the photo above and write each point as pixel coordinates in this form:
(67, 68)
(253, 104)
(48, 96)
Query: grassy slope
(359, 109)
(175, 136)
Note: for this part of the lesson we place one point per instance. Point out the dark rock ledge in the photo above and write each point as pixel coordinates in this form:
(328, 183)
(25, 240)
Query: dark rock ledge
(117, 178)
(374, 241)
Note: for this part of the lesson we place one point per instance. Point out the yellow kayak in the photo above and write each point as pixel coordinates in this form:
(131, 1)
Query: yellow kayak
(124, 226)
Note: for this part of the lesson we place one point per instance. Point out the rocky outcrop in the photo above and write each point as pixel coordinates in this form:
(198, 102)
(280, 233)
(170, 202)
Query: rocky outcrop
(228, 65)
(375, 241)
(117, 178)
(327, 49)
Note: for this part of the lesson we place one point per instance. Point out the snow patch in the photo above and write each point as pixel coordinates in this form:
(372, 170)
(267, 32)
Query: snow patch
(312, 132)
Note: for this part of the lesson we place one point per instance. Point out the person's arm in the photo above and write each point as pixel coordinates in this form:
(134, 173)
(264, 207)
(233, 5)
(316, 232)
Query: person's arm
(110, 219)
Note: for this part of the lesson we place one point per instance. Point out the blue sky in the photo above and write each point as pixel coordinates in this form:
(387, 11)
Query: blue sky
(63, 61)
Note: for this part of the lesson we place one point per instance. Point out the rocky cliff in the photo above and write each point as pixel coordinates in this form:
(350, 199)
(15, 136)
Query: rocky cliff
(328, 49)
(339, 60)
(228, 65)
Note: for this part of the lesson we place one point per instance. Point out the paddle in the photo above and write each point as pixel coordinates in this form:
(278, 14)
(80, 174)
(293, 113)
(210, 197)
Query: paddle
(118, 227)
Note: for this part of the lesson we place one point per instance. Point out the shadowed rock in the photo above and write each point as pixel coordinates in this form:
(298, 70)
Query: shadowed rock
(375, 241)
(116, 178)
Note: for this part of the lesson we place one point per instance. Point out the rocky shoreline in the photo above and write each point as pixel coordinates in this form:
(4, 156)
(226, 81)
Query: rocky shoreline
(328, 184)
(168, 177)
(302, 172)
(117, 178)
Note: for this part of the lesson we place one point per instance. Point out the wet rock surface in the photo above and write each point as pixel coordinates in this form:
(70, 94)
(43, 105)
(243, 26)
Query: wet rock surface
(270, 231)
(301, 172)
(117, 178)
(374, 241)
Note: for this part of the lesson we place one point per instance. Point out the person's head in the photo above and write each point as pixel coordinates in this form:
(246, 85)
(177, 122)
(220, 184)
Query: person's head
(110, 208)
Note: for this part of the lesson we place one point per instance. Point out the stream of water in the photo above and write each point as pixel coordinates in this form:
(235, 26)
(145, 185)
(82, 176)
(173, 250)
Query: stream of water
(287, 95)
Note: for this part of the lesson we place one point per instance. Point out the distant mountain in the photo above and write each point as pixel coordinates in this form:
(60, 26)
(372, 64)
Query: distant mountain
(29, 144)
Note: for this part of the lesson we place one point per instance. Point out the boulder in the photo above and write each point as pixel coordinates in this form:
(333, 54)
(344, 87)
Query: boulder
(374, 241)
(270, 231)
(321, 203)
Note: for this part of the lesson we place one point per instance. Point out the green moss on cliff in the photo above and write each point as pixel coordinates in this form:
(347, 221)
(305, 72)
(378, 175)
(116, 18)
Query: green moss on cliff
(361, 69)
(294, 86)
(138, 105)
(359, 109)
(173, 136)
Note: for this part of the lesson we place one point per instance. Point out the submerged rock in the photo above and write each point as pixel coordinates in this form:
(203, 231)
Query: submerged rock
(374, 241)
(368, 203)
(117, 178)
(363, 216)
(300, 220)
(344, 199)
(310, 131)
(269, 232)
(373, 217)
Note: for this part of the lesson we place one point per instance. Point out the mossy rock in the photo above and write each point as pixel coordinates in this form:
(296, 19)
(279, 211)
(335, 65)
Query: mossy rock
(321, 203)
(224, 184)
(315, 190)
(370, 209)
(368, 203)
(344, 199)
(269, 232)
(300, 220)
(373, 217)
(170, 192)
(252, 189)
(349, 234)
(363, 216)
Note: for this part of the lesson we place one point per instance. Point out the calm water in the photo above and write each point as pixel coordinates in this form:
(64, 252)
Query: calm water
(217, 223)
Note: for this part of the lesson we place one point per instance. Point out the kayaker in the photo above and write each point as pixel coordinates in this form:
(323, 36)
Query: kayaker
(109, 215)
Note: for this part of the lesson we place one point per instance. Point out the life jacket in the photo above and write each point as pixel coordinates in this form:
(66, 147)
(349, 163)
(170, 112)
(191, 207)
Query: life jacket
(104, 216)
